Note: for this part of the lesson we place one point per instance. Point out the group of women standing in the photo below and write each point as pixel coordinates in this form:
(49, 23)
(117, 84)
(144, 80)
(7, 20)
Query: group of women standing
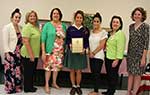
(115, 46)
(21, 45)
(22, 48)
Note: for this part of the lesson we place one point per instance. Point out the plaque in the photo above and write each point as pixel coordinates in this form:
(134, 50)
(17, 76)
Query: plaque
(77, 45)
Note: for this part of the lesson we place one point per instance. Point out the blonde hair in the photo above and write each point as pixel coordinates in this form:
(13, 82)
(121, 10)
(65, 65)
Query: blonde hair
(28, 14)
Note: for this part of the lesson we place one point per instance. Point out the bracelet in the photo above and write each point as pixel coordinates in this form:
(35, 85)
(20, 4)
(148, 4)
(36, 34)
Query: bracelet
(93, 53)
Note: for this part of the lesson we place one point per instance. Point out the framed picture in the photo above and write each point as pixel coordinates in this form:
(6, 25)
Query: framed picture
(41, 23)
(68, 23)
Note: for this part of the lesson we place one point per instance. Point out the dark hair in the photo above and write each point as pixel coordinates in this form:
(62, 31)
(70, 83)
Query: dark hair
(142, 11)
(60, 14)
(98, 16)
(79, 12)
(15, 11)
(120, 20)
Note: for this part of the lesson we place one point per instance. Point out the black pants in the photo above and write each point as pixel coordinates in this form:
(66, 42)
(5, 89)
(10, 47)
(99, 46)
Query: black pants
(96, 65)
(29, 72)
(112, 75)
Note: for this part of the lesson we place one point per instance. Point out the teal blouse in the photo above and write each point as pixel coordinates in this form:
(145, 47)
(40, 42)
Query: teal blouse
(48, 36)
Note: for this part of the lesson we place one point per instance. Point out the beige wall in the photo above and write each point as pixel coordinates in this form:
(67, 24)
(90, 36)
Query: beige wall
(107, 8)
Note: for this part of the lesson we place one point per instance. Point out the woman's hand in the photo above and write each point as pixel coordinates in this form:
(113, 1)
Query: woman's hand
(70, 46)
(43, 56)
(143, 62)
(83, 51)
(6, 54)
(115, 63)
(32, 58)
(91, 54)
(143, 59)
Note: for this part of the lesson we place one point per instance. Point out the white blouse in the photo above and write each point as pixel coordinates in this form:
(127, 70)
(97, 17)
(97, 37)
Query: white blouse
(9, 38)
(94, 40)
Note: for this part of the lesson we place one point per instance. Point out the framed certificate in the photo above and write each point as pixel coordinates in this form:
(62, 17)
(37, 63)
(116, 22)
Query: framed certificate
(77, 45)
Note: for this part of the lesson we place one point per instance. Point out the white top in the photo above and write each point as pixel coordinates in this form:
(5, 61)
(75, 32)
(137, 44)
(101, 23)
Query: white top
(77, 27)
(9, 38)
(94, 40)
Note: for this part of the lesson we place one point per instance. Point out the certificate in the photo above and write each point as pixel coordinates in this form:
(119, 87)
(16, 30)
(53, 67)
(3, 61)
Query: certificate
(77, 45)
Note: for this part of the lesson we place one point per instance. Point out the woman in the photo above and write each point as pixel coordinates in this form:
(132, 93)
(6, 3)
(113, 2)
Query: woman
(77, 30)
(53, 35)
(12, 64)
(137, 49)
(115, 47)
(97, 42)
(30, 49)
(148, 52)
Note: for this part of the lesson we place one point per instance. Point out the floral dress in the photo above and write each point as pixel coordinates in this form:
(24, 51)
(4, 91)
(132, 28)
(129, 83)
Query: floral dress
(12, 69)
(55, 59)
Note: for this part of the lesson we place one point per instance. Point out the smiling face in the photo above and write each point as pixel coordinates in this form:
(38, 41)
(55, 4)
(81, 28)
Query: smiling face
(137, 16)
(96, 23)
(16, 18)
(32, 18)
(115, 24)
(78, 19)
(55, 15)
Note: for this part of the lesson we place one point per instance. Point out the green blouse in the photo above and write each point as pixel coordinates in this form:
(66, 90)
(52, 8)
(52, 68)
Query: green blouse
(115, 45)
(48, 36)
(33, 33)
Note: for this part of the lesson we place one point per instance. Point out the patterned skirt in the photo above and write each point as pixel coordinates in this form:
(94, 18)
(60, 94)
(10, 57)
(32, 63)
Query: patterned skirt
(12, 73)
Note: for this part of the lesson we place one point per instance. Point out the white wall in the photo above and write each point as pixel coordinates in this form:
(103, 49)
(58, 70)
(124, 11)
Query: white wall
(107, 8)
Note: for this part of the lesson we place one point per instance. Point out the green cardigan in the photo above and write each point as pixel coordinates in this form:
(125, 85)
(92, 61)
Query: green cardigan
(48, 36)
(115, 45)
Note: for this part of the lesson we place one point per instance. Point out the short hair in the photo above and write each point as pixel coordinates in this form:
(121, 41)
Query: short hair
(98, 16)
(59, 11)
(142, 11)
(28, 14)
(120, 20)
(15, 11)
(79, 12)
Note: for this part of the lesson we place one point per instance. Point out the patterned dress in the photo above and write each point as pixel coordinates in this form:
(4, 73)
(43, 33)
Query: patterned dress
(12, 69)
(55, 59)
(138, 42)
